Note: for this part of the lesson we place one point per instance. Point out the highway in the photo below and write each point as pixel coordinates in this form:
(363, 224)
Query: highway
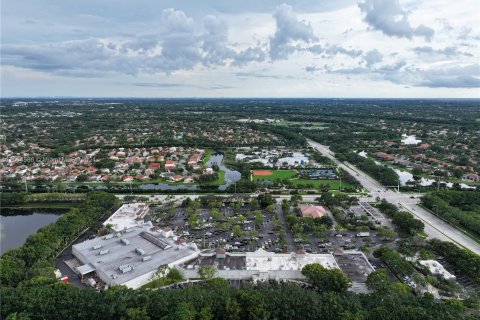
(434, 227)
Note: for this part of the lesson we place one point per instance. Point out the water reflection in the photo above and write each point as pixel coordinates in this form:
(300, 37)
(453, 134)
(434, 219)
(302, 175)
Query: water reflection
(14, 230)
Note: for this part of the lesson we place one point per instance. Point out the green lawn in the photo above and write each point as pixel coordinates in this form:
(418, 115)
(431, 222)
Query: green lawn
(47, 205)
(292, 176)
(206, 157)
(312, 125)
(277, 174)
(220, 181)
(334, 184)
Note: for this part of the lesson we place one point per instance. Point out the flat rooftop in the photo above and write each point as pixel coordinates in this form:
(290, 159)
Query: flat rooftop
(127, 216)
(262, 260)
(230, 262)
(120, 254)
(355, 265)
(436, 268)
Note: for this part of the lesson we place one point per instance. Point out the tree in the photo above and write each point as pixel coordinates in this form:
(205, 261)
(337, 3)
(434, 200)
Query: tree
(216, 214)
(18, 316)
(265, 199)
(136, 314)
(405, 221)
(258, 217)
(174, 275)
(193, 221)
(186, 203)
(387, 233)
(207, 272)
(12, 267)
(82, 178)
(237, 231)
(270, 208)
(378, 280)
(296, 198)
(326, 279)
(205, 314)
(254, 204)
(9, 198)
(184, 311)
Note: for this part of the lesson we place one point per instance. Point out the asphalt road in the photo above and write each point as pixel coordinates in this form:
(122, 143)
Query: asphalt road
(434, 227)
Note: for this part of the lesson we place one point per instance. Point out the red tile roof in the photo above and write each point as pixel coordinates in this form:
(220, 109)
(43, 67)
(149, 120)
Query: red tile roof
(312, 211)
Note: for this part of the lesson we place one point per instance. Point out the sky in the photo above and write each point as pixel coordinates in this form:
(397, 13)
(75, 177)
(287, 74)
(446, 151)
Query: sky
(241, 48)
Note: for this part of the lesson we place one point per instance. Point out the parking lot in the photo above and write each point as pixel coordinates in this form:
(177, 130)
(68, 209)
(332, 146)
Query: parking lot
(220, 232)
(236, 230)
(462, 280)
(345, 239)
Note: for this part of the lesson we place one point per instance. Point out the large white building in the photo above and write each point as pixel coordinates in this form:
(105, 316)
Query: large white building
(297, 159)
(132, 257)
(436, 268)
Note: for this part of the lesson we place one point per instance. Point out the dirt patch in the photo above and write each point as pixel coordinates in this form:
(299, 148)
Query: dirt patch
(262, 173)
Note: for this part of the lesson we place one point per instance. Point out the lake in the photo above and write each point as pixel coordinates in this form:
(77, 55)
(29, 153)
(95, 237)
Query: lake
(14, 230)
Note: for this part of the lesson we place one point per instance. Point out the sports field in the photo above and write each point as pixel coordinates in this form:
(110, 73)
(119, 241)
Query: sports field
(273, 174)
(291, 175)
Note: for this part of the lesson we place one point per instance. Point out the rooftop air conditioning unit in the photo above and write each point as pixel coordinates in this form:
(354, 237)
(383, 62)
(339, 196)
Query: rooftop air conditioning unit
(104, 252)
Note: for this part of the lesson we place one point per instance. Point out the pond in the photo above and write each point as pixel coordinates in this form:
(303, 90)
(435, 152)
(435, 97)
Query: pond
(14, 230)
(231, 176)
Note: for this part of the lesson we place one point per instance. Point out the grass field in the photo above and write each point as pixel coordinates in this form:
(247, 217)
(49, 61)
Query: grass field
(291, 175)
(307, 125)
(277, 174)
(334, 184)
(219, 181)
(47, 205)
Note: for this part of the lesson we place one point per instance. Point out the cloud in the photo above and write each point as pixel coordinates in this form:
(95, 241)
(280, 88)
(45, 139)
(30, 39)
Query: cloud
(161, 85)
(312, 68)
(388, 17)
(373, 57)
(447, 51)
(447, 75)
(215, 41)
(335, 49)
(289, 33)
(82, 57)
(249, 55)
(451, 76)
(180, 85)
(254, 74)
(178, 44)
(176, 21)
(439, 76)
(459, 81)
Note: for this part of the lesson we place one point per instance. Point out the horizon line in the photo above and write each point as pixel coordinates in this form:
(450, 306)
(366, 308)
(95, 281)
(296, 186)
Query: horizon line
(239, 98)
